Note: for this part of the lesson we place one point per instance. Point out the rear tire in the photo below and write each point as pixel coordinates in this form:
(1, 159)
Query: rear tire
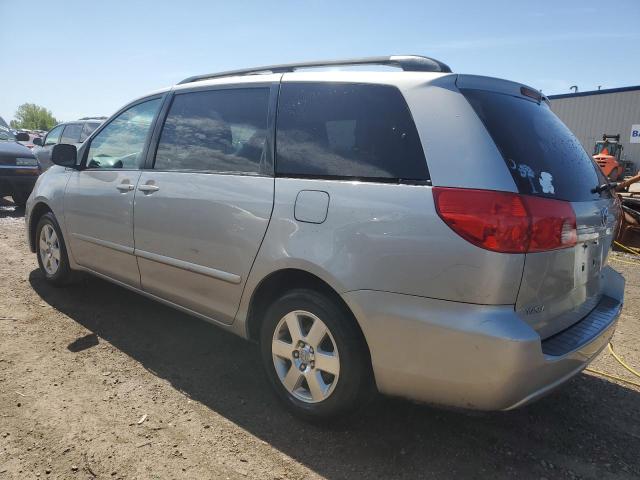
(52, 252)
(315, 356)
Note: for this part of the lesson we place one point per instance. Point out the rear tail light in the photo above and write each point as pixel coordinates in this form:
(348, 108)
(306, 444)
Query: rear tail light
(507, 222)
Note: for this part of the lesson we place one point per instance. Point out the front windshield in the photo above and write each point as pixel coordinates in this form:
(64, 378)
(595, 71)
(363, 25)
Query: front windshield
(6, 135)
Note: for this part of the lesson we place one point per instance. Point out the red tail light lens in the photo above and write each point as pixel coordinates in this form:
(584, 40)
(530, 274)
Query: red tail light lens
(507, 222)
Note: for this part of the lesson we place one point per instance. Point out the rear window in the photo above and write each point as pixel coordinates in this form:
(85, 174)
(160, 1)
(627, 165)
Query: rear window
(341, 130)
(542, 154)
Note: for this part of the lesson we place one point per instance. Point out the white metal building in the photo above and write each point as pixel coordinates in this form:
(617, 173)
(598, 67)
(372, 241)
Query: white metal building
(591, 114)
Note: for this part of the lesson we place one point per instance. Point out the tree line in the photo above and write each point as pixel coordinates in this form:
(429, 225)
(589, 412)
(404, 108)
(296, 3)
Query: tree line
(30, 116)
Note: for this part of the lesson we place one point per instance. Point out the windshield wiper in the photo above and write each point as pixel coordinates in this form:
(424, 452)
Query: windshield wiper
(604, 186)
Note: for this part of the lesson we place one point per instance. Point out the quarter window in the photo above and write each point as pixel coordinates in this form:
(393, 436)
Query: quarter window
(53, 136)
(71, 133)
(216, 131)
(121, 143)
(347, 131)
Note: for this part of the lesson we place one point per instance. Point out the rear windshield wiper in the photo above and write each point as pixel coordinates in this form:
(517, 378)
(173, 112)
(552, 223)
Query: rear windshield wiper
(604, 186)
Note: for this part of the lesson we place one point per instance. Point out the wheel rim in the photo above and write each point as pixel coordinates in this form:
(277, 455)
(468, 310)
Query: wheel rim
(305, 356)
(49, 249)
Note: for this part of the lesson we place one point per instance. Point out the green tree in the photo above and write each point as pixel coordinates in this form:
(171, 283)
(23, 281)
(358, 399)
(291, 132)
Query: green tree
(33, 117)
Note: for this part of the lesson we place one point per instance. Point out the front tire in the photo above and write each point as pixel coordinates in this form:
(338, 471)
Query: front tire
(51, 252)
(20, 198)
(315, 356)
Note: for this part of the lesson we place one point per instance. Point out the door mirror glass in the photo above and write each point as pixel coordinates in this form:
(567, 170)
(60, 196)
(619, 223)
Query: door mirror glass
(37, 141)
(64, 155)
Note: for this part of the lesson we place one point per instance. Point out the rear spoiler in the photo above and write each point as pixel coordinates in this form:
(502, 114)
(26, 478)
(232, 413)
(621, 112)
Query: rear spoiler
(499, 85)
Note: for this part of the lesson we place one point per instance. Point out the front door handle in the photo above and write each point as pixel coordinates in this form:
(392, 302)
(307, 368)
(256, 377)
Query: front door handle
(148, 188)
(125, 187)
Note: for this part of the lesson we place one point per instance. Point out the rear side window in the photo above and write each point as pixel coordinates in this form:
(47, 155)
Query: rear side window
(71, 133)
(347, 131)
(87, 130)
(542, 154)
(216, 131)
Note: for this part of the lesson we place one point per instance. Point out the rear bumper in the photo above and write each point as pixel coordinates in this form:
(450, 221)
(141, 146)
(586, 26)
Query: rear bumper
(475, 356)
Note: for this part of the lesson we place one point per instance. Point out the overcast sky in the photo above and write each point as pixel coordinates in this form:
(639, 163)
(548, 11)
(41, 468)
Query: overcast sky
(80, 58)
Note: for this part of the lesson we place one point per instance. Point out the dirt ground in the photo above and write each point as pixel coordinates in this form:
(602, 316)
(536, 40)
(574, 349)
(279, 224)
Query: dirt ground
(98, 382)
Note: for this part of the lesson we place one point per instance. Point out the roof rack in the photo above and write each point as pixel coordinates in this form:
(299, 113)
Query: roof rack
(408, 63)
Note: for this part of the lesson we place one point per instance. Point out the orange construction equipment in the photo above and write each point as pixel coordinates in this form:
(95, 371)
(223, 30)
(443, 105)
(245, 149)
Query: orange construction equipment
(607, 154)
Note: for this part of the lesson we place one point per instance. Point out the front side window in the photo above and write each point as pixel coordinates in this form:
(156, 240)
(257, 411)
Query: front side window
(216, 131)
(120, 144)
(53, 136)
(71, 133)
(347, 131)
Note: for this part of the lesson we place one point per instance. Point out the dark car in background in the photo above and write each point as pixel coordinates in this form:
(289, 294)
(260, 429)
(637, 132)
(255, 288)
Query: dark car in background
(72, 133)
(32, 135)
(19, 168)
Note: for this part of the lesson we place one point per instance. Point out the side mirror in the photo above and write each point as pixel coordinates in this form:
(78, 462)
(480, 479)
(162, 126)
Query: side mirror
(64, 155)
(22, 137)
(37, 141)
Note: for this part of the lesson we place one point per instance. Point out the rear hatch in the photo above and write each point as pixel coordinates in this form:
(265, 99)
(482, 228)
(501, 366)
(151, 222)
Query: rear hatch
(561, 286)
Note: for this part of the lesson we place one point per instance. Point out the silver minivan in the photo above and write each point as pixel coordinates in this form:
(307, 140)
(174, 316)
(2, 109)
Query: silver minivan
(402, 229)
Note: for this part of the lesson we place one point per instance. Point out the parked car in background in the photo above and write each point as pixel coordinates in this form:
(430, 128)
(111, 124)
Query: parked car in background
(19, 168)
(72, 133)
(413, 231)
(32, 137)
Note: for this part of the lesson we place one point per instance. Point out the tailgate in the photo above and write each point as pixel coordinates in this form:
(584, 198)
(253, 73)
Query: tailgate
(561, 287)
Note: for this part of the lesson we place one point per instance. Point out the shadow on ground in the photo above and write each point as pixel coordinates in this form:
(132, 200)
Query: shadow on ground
(588, 428)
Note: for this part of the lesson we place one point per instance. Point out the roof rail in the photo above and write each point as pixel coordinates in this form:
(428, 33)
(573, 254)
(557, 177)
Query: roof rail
(408, 63)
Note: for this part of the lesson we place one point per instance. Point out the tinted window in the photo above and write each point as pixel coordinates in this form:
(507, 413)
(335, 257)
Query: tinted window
(87, 130)
(121, 142)
(542, 154)
(216, 130)
(54, 135)
(347, 130)
(71, 133)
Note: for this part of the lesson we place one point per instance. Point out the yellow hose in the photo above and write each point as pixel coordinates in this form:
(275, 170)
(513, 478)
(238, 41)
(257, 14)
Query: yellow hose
(621, 362)
(598, 372)
(633, 250)
(625, 262)
(628, 249)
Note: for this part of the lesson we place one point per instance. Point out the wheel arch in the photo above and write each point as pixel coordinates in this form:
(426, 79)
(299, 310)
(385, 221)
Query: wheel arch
(38, 210)
(279, 282)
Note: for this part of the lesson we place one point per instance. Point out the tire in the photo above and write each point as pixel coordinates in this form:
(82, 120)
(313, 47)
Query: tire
(20, 198)
(329, 374)
(55, 268)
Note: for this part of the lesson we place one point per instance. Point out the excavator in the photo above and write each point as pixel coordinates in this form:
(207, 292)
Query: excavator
(606, 154)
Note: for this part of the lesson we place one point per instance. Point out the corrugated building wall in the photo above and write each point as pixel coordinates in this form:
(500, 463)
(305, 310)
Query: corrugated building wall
(591, 114)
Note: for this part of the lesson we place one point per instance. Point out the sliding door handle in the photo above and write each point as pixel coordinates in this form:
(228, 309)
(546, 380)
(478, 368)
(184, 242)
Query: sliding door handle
(125, 187)
(148, 188)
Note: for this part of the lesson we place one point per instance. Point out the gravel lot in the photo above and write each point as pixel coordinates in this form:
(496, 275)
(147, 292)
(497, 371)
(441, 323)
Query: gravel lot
(98, 382)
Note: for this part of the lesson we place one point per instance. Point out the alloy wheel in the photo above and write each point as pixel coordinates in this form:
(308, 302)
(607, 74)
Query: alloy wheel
(49, 249)
(305, 356)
